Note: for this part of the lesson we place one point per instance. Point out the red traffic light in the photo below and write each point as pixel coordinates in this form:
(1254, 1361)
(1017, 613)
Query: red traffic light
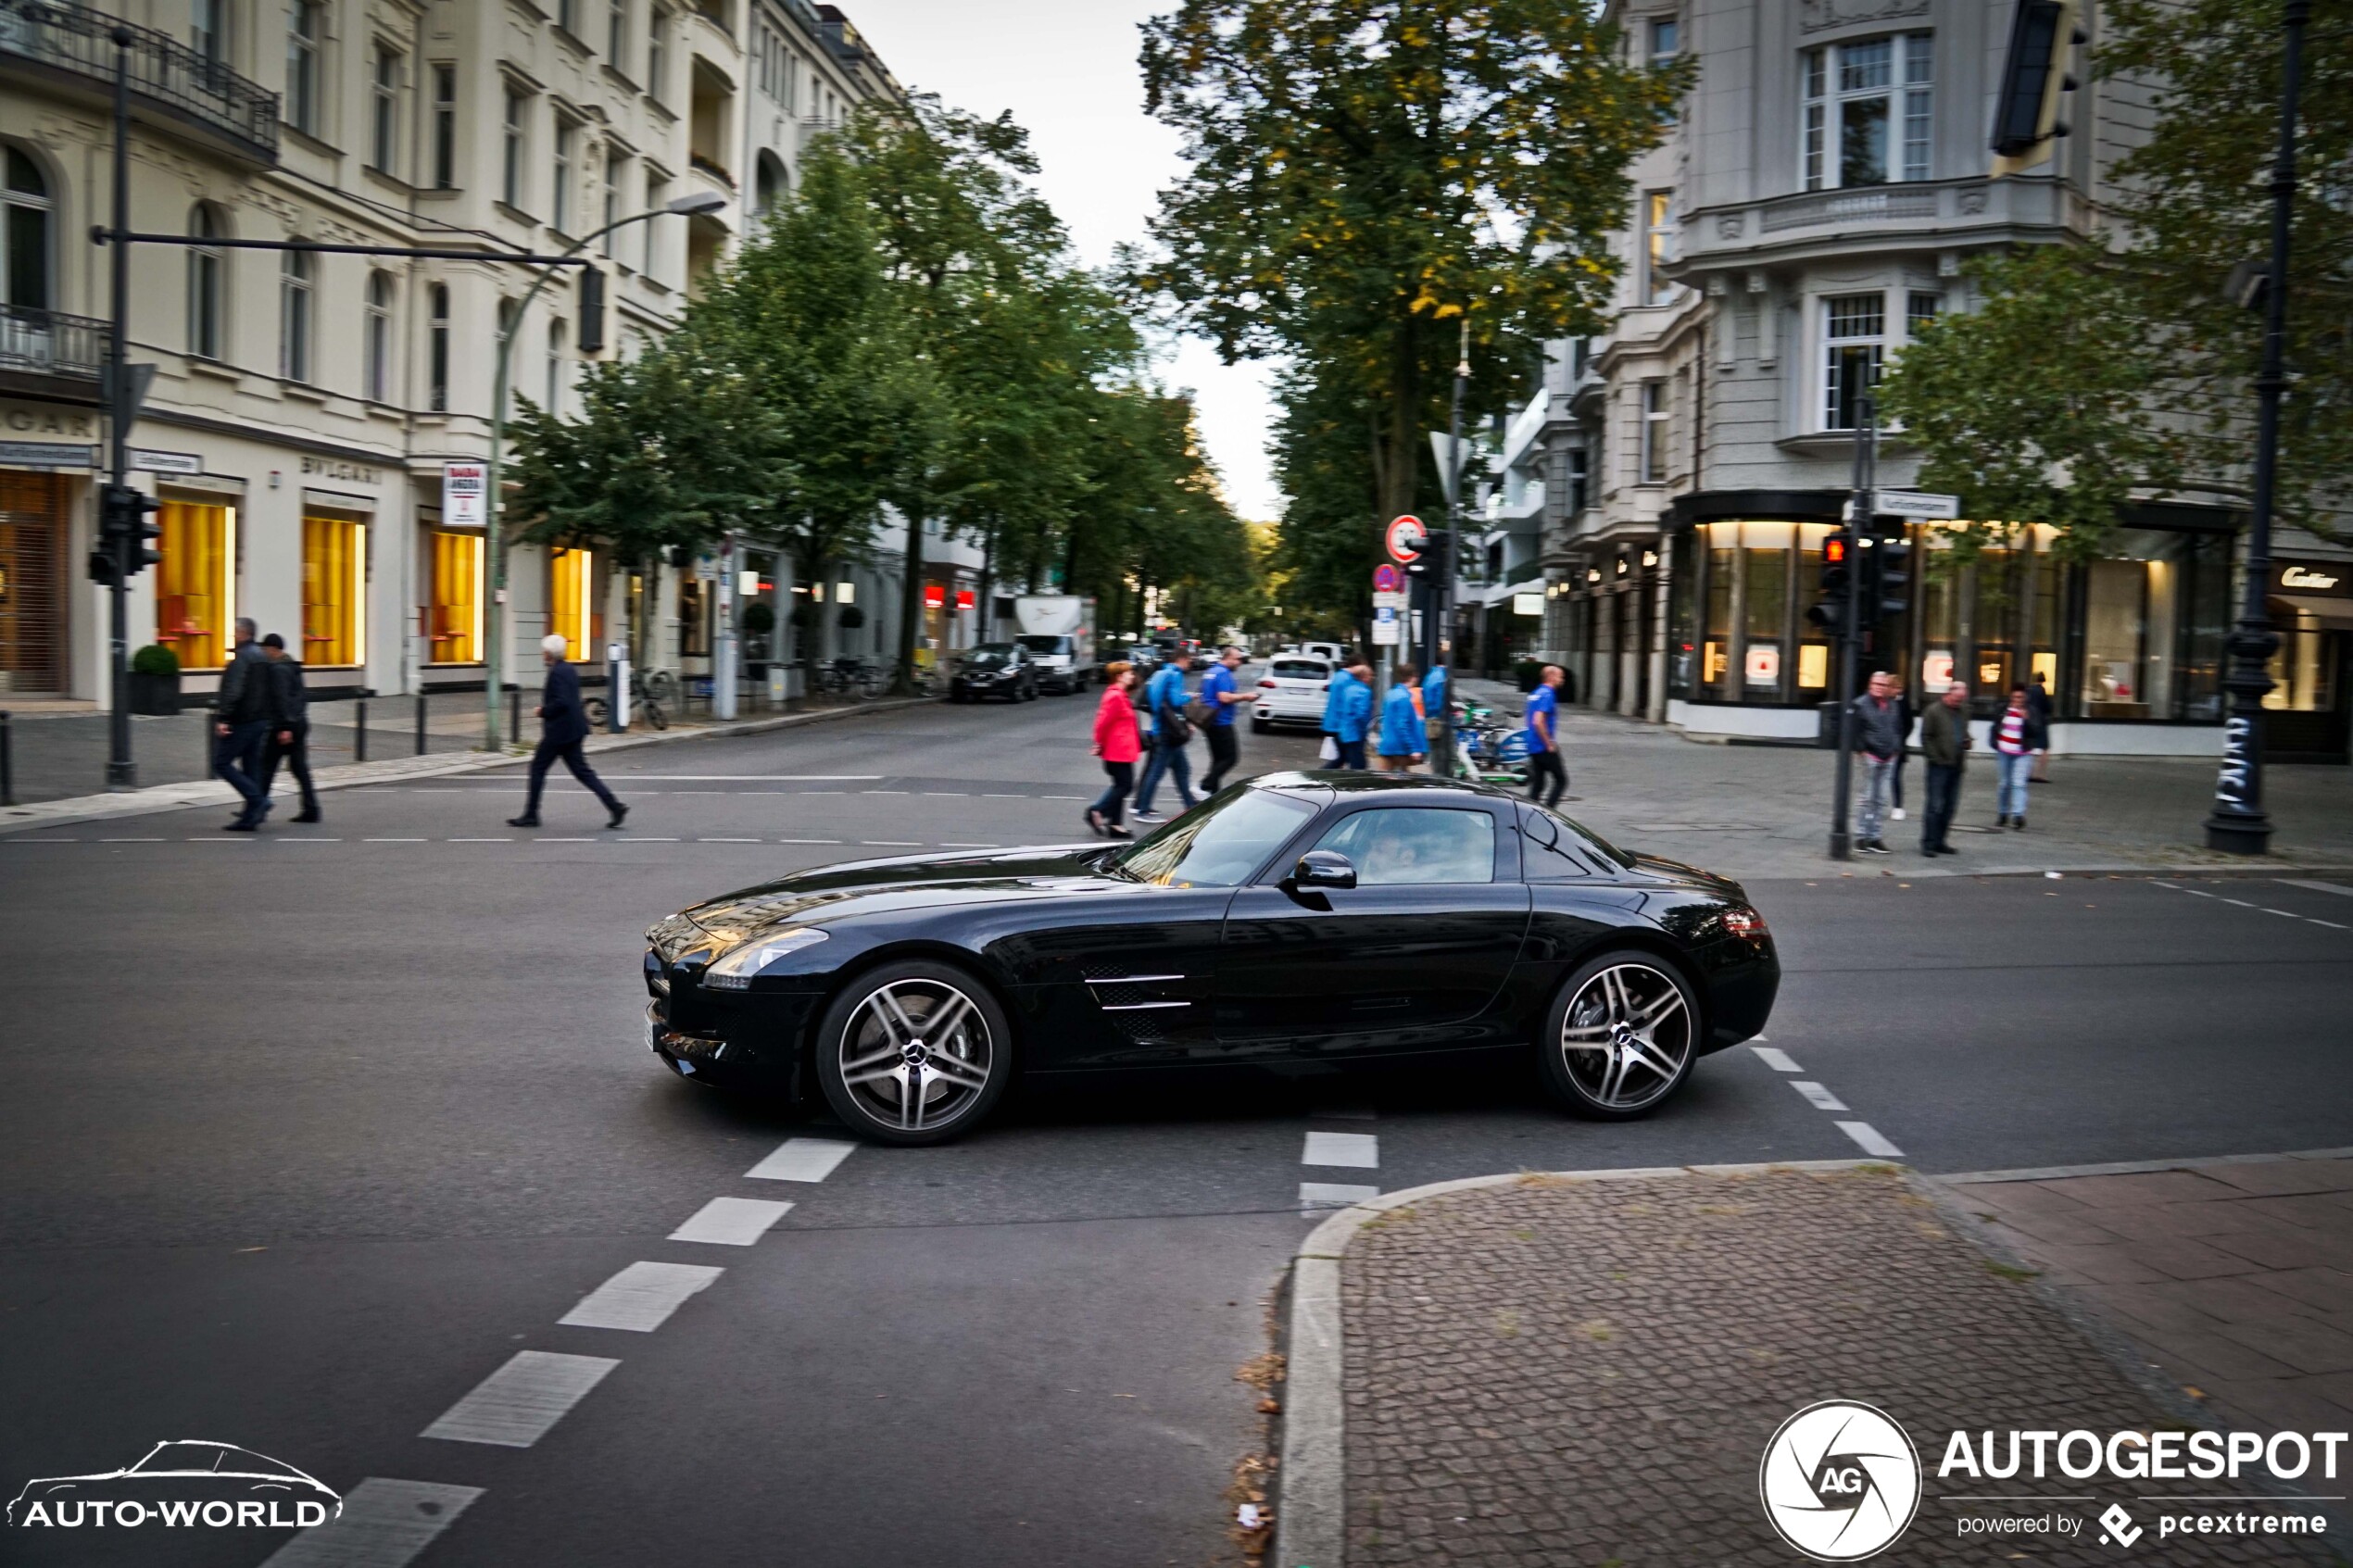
(1835, 550)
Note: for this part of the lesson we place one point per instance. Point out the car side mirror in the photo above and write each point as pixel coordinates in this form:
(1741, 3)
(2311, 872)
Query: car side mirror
(1324, 867)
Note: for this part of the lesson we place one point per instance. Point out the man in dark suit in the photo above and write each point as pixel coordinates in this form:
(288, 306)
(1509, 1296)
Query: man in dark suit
(563, 725)
(290, 738)
(242, 713)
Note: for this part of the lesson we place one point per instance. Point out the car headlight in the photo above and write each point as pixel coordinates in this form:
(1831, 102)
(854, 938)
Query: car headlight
(734, 971)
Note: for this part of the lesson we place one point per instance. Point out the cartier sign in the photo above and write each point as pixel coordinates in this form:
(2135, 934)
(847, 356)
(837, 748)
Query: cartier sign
(2308, 577)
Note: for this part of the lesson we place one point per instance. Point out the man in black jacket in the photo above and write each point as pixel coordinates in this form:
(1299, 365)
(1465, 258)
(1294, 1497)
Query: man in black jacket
(563, 725)
(241, 713)
(290, 737)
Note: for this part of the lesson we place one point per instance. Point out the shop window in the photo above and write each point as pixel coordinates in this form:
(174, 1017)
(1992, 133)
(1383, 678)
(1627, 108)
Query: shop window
(2155, 612)
(572, 592)
(1715, 648)
(453, 617)
(193, 582)
(334, 572)
(693, 618)
(1765, 547)
(1868, 112)
(1813, 648)
(1854, 345)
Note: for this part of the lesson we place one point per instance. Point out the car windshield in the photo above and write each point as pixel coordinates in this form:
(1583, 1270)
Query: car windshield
(1216, 845)
(1301, 669)
(1603, 849)
(1045, 644)
(989, 656)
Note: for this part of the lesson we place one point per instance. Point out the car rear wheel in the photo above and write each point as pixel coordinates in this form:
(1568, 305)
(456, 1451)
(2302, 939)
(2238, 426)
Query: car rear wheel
(914, 1053)
(1621, 1037)
(1259, 726)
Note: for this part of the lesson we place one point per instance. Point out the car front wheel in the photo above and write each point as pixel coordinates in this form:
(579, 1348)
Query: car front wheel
(914, 1053)
(1620, 1037)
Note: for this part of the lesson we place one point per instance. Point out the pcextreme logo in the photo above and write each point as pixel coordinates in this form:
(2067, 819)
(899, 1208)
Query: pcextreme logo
(185, 1485)
(1840, 1480)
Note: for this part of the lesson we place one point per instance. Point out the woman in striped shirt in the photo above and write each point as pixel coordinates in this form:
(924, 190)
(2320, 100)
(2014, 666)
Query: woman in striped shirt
(2019, 738)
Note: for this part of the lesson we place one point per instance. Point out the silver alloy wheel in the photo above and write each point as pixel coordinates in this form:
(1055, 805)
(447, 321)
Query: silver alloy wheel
(1627, 1036)
(916, 1054)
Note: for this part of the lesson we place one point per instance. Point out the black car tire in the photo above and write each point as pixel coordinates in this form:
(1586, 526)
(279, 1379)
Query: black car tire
(854, 1030)
(1259, 726)
(1584, 1057)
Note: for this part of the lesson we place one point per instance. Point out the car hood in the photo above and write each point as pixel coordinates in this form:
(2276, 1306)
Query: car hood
(831, 894)
(1666, 870)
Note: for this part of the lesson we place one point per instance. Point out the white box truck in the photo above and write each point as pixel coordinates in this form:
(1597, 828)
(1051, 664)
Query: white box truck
(1058, 632)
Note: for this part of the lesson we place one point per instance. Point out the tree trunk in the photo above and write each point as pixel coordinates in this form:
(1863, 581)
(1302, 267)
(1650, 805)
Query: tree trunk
(1396, 454)
(911, 609)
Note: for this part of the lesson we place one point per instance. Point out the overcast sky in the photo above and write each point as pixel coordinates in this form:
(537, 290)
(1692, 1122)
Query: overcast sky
(1067, 71)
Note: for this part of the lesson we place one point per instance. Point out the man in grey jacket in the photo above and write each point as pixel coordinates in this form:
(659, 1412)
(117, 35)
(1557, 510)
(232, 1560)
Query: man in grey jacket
(1945, 741)
(1879, 742)
(289, 739)
(241, 713)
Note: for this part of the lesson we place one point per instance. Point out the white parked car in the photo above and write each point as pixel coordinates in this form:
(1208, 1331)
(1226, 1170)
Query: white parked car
(1292, 692)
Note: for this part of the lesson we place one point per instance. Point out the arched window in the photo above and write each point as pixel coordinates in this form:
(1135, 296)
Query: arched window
(376, 343)
(438, 348)
(26, 214)
(294, 315)
(507, 311)
(769, 185)
(207, 286)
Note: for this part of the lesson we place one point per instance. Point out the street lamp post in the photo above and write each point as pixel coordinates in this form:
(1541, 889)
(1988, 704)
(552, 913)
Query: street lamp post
(494, 544)
(2238, 824)
(1442, 586)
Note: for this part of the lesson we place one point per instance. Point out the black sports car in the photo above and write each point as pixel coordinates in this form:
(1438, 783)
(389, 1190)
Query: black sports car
(1323, 917)
(1003, 669)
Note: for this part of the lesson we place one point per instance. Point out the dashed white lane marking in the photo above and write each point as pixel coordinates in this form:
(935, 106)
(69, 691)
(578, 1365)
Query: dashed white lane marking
(730, 841)
(563, 841)
(950, 844)
(883, 792)
(191, 838)
(392, 841)
(481, 841)
(1361, 1151)
(732, 1222)
(1062, 797)
(1776, 1058)
(947, 794)
(313, 839)
(515, 1407)
(1317, 1196)
(641, 1297)
(809, 841)
(384, 1525)
(802, 1160)
(1818, 1096)
(747, 778)
(2265, 909)
(1004, 797)
(891, 843)
(1870, 1139)
(131, 841)
(2337, 887)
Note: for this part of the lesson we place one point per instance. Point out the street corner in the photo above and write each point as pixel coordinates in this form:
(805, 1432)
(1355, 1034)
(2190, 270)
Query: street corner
(1754, 1365)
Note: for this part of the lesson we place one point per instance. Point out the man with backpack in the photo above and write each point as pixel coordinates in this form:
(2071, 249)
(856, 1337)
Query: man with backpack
(1164, 710)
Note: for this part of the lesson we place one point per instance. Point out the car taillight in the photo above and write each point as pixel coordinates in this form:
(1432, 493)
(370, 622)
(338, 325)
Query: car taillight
(1268, 685)
(1744, 921)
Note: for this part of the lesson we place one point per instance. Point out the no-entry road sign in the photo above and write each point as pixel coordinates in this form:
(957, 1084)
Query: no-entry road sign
(1405, 537)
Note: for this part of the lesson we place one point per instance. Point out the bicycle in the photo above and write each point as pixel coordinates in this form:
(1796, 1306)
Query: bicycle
(652, 693)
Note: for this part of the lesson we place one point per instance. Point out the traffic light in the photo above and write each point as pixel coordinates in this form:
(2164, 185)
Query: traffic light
(1838, 566)
(1887, 588)
(1434, 551)
(125, 532)
(2043, 35)
(592, 310)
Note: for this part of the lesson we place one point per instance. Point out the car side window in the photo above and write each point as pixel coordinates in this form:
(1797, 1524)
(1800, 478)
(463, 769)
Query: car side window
(1403, 846)
(1547, 854)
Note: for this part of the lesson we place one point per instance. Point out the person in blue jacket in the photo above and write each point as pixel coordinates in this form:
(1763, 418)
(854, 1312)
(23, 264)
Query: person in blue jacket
(1404, 735)
(1355, 720)
(1335, 695)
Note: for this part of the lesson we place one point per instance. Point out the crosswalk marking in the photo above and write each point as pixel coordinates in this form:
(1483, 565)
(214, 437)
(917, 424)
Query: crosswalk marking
(1317, 1197)
(802, 1160)
(641, 1297)
(1820, 1097)
(1776, 1058)
(1870, 1140)
(732, 1222)
(384, 1525)
(515, 1407)
(1361, 1151)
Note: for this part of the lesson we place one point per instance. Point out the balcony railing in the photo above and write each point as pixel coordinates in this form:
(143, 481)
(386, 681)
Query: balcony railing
(49, 343)
(164, 71)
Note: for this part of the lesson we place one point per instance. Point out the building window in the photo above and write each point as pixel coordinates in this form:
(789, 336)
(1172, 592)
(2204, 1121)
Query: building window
(1656, 411)
(303, 76)
(617, 35)
(453, 620)
(193, 581)
(656, 197)
(334, 561)
(568, 15)
(1658, 246)
(208, 31)
(207, 269)
(1919, 309)
(294, 315)
(384, 139)
(1665, 37)
(559, 337)
(1854, 345)
(507, 330)
(559, 174)
(1576, 481)
(1868, 112)
(25, 211)
(438, 348)
(657, 53)
(376, 339)
(616, 177)
(572, 578)
(445, 127)
(517, 146)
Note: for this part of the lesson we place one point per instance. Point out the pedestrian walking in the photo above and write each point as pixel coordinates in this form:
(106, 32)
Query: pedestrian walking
(1355, 719)
(1221, 693)
(1945, 742)
(241, 713)
(289, 739)
(1171, 731)
(1404, 733)
(1335, 698)
(2019, 740)
(1905, 717)
(1879, 743)
(1434, 711)
(2038, 703)
(563, 725)
(1547, 779)
(1118, 742)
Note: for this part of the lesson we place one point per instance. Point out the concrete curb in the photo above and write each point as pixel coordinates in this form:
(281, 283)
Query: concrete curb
(1311, 1499)
(2136, 1167)
(212, 792)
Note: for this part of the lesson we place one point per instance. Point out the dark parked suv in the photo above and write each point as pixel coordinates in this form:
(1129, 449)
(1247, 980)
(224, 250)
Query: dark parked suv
(1003, 670)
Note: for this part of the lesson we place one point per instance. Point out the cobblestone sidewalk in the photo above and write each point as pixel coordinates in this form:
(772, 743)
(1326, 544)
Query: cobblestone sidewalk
(1567, 1371)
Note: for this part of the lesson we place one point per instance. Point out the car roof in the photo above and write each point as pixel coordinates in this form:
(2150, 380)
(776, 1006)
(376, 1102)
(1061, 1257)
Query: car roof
(1345, 782)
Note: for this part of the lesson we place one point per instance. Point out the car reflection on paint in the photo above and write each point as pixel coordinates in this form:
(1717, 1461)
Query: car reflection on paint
(185, 1472)
(1318, 916)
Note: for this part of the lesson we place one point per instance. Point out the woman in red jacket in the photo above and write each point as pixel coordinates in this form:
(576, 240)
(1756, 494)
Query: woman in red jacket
(1118, 743)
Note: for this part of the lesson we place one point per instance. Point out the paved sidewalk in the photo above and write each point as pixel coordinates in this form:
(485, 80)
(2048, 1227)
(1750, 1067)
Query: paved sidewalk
(1586, 1370)
(2235, 1276)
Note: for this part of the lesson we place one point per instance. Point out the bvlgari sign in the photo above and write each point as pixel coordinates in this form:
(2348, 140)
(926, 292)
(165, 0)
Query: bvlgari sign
(2311, 577)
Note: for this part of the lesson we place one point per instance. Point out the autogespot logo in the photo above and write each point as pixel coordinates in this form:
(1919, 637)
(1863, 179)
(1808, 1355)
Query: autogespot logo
(1840, 1480)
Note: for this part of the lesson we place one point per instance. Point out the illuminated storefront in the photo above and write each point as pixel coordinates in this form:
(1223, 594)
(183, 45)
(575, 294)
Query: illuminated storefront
(196, 581)
(334, 591)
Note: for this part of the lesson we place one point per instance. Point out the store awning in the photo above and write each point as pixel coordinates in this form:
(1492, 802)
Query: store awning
(2336, 615)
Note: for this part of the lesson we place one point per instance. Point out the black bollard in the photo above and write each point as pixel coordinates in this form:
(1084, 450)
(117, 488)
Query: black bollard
(420, 722)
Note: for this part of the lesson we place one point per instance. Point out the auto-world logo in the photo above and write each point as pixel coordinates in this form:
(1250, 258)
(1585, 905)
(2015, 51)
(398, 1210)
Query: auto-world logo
(1840, 1480)
(189, 1484)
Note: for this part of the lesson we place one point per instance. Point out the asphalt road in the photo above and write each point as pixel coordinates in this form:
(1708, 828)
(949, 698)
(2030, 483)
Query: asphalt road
(308, 1134)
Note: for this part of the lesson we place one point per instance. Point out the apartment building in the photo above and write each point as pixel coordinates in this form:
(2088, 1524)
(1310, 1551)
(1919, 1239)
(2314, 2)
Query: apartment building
(1811, 207)
(304, 405)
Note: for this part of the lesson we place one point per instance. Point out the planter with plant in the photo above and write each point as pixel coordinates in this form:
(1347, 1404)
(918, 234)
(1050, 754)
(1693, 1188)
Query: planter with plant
(155, 681)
